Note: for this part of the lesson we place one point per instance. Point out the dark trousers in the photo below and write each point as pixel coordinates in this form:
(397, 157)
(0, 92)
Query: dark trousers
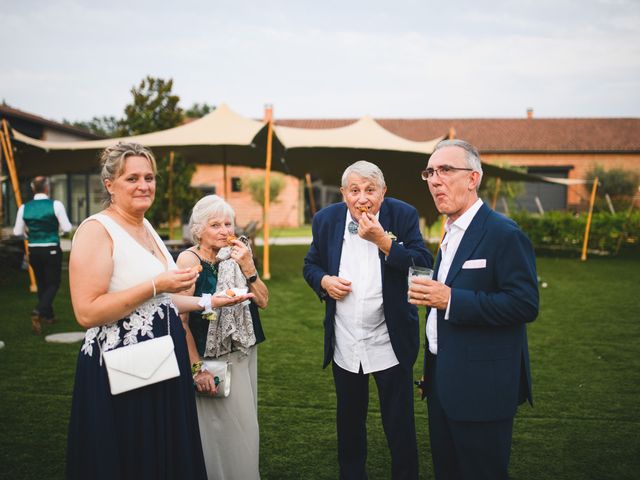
(395, 391)
(47, 267)
(465, 450)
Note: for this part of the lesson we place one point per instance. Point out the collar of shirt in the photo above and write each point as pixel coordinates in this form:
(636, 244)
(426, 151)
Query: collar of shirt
(40, 196)
(465, 219)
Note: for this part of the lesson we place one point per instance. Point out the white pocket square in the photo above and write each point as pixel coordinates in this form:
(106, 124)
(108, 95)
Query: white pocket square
(477, 263)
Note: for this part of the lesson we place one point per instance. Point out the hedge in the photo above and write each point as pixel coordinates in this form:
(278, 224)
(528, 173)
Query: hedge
(608, 234)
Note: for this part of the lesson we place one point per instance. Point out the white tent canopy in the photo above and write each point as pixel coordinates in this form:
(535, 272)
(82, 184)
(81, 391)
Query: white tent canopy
(220, 127)
(222, 137)
(366, 133)
(225, 137)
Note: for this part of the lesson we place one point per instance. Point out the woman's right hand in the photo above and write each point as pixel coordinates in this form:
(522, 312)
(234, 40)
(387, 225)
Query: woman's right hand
(174, 281)
(224, 301)
(205, 383)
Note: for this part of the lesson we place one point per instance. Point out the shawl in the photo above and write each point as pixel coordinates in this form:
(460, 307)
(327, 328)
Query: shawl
(233, 330)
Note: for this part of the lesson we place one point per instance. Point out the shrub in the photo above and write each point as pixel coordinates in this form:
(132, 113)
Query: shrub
(565, 231)
(621, 185)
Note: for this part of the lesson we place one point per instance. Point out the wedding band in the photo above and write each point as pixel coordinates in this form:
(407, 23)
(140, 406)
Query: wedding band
(424, 297)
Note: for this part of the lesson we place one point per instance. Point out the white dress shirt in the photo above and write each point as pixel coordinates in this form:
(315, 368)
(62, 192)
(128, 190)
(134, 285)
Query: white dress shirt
(58, 210)
(361, 334)
(453, 237)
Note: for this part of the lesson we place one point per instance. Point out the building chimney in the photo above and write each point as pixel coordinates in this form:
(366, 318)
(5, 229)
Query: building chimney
(452, 133)
(529, 113)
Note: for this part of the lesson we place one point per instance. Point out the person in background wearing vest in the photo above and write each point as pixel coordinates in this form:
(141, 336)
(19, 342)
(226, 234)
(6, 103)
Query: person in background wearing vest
(40, 220)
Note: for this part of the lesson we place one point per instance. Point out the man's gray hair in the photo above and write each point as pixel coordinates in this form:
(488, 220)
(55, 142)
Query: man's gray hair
(366, 170)
(204, 210)
(471, 155)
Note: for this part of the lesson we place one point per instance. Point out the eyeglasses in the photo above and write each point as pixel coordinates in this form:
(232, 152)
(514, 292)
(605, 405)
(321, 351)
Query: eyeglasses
(443, 171)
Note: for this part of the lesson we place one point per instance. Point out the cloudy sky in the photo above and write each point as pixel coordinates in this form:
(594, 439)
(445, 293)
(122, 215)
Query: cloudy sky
(76, 59)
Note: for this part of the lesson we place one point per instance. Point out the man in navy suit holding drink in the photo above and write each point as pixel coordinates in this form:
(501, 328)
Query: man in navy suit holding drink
(483, 293)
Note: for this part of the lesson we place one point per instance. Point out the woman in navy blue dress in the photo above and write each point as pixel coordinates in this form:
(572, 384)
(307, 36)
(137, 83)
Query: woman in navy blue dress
(122, 279)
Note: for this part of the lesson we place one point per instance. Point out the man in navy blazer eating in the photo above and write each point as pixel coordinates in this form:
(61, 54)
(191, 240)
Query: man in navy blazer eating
(484, 292)
(357, 264)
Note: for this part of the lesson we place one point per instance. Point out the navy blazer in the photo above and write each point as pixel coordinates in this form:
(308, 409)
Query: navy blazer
(483, 358)
(323, 258)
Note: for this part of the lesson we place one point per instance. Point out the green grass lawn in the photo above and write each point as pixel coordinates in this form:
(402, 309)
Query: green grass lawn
(585, 356)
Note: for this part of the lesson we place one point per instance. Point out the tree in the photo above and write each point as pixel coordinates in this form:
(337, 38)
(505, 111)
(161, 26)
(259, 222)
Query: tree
(198, 110)
(154, 108)
(105, 126)
(255, 186)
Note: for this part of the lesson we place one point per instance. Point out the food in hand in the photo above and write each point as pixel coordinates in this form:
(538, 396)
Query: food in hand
(230, 239)
(230, 293)
(363, 208)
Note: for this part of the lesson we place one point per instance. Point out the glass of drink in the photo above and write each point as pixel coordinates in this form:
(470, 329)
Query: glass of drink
(416, 271)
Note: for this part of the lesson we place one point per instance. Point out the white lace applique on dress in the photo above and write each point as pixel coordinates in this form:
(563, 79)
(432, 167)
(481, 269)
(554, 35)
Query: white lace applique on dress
(132, 264)
(129, 330)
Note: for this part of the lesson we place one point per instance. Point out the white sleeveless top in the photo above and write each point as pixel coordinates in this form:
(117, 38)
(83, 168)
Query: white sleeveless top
(132, 263)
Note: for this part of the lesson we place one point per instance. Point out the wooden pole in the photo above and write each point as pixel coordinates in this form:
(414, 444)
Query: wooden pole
(11, 166)
(586, 230)
(312, 200)
(494, 200)
(6, 148)
(170, 175)
(225, 180)
(1, 193)
(268, 114)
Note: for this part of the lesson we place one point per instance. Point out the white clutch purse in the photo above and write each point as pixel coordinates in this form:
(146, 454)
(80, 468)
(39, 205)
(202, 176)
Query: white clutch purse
(222, 370)
(141, 364)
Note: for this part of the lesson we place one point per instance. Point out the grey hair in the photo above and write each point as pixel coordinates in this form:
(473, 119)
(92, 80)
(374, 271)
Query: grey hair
(366, 170)
(206, 208)
(112, 160)
(471, 155)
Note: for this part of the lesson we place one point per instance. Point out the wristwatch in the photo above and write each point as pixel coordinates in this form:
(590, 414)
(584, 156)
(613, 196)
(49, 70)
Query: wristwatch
(252, 278)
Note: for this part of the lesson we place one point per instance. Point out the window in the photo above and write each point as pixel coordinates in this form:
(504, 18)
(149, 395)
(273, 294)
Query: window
(551, 196)
(236, 184)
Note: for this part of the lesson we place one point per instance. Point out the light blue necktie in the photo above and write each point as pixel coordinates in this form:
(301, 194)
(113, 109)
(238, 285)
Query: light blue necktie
(352, 227)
